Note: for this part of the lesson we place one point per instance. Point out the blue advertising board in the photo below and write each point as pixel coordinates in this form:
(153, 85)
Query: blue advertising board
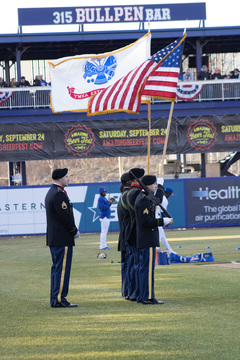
(176, 203)
(89, 208)
(203, 202)
(89, 221)
(111, 14)
(213, 202)
(22, 209)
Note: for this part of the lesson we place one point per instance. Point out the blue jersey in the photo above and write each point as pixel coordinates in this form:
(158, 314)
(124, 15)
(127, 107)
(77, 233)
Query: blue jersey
(104, 207)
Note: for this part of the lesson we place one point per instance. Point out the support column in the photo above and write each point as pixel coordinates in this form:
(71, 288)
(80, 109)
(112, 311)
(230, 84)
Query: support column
(7, 72)
(23, 173)
(198, 56)
(18, 61)
(203, 165)
(10, 174)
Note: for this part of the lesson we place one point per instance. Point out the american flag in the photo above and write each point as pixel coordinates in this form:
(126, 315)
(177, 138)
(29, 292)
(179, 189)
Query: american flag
(163, 80)
(146, 79)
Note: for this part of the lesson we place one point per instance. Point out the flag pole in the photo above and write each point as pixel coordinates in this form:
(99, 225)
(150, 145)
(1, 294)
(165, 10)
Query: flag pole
(166, 138)
(149, 137)
(168, 129)
(149, 127)
(120, 167)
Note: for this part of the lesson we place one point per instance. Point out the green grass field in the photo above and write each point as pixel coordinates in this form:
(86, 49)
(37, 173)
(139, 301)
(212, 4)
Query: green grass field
(199, 320)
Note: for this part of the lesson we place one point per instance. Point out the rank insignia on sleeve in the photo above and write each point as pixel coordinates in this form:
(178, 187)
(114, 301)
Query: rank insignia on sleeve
(145, 211)
(64, 205)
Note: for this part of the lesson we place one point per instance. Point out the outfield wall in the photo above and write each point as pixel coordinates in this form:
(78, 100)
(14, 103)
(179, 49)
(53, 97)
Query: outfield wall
(203, 202)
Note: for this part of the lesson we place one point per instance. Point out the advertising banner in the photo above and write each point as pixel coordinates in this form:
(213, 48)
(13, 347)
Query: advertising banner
(208, 134)
(209, 202)
(213, 202)
(62, 140)
(22, 209)
(114, 138)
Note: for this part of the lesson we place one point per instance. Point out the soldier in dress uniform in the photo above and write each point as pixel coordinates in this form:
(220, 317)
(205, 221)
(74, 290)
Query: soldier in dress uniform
(147, 240)
(61, 232)
(132, 252)
(124, 188)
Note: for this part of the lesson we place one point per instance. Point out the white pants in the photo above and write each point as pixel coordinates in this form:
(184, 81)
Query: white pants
(163, 239)
(105, 222)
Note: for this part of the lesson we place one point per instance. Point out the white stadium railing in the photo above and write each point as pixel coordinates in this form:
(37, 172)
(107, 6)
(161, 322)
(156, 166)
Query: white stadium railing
(39, 97)
(211, 90)
(28, 97)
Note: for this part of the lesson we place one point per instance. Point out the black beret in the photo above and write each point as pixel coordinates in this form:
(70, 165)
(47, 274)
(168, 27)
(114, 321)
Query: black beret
(59, 173)
(125, 177)
(137, 172)
(149, 179)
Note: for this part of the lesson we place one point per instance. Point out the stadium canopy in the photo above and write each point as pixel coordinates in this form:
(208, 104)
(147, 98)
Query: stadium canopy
(56, 45)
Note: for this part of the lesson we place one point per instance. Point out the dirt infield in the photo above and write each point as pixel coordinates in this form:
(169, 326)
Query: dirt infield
(227, 265)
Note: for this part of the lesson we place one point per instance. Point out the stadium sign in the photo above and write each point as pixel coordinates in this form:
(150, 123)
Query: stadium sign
(111, 14)
(22, 209)
(113, 138)
(213, 202)
(209, 202)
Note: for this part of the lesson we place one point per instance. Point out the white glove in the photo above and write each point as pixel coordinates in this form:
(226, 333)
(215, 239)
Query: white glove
(77, 235)
(167, 221)
(160, 181)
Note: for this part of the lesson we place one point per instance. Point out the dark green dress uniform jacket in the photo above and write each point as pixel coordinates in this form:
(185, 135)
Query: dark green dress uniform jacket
(147, 224)
(61, 227)
(123, 221)
(126, 219)
(131, 198)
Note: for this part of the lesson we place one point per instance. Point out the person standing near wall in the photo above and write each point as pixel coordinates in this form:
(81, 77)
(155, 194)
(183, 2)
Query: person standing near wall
(121, 211)
(104, 217)
(147, 241)
(131, 250)
(163, 195)
(61, 232)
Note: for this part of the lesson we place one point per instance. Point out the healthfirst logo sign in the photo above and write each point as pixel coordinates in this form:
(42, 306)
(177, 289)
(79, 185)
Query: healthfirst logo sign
(213, 202)
(22, 209)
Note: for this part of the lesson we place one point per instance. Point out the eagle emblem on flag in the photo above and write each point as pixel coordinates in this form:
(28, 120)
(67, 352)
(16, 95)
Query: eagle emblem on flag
(100, 70)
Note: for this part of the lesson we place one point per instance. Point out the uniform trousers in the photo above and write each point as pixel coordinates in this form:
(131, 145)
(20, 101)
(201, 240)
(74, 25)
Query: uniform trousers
(124, 274)
(146, 273)
(132, 255)
(105, 222)
(60, 273)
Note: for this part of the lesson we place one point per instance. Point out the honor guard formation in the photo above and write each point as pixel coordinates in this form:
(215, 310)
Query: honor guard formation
(139, 235)
(141, 214)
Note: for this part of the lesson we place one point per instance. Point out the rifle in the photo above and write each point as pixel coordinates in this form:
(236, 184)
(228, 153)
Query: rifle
(151, 196)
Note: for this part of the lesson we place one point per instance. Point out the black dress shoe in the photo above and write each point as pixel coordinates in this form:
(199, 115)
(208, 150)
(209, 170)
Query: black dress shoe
(152, 302)
(158, 302)
(127, 297)
(65, 305)
(70, 305)
(132, 299)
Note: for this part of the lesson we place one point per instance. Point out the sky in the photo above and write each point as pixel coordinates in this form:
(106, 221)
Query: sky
(218, 14)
